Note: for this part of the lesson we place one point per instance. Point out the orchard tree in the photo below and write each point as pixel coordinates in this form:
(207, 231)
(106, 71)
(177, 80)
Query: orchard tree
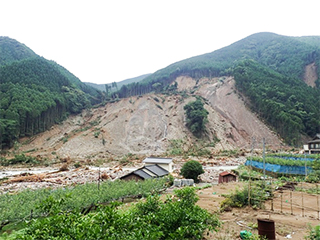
(191, 169)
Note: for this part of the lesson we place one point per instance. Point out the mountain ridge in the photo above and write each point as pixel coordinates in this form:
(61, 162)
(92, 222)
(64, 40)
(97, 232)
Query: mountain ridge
(11, 50)
(236, 51)
(102, 87)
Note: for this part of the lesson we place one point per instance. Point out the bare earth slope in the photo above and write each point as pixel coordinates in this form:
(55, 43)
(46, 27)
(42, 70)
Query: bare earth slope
(310, 74)
(237, 125)
(144, 125)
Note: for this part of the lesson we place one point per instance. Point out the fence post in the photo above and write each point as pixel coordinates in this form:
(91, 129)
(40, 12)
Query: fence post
(318, 202)
(272, 196)
(302, 200)
(249, 189)
(291, 202)
(281, 202)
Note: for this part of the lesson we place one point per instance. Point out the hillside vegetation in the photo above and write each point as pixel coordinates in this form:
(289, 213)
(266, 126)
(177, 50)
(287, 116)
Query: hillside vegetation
(287, 55)
(11, 50)
(36, 93)
(287, 104)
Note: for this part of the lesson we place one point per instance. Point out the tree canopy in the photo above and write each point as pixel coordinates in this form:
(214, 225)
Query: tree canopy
(36, 93)
(286, 103)
(192, 169)
(197, 116)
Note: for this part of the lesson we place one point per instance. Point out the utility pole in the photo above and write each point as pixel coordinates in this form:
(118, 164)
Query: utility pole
(250, 172)
(305, 165)
(252, 147)
(264, 160)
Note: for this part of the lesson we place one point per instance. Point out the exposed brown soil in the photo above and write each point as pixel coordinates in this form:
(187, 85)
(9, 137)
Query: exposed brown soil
(236, 124)
(310, 74)
(145, 125)
(286, 225)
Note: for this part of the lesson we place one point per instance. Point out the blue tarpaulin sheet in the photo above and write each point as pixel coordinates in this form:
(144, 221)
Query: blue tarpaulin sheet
(300, 170)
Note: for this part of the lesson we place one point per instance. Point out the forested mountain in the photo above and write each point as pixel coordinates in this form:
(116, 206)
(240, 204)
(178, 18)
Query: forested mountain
(286, 103)
(36, 93)
(11, 50)
(268, 69)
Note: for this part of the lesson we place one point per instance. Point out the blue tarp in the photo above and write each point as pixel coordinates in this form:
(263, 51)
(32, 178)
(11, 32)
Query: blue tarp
(300, 170)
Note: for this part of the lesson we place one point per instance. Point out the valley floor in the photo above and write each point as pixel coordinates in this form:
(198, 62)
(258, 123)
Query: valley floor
(234, 221)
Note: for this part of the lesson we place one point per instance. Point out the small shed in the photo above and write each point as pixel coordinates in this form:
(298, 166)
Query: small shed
(226, 177)
(146, 172)
(165, 163)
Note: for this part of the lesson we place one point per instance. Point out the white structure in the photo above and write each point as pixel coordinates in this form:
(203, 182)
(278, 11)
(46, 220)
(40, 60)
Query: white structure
(183, 182)
(165, 163)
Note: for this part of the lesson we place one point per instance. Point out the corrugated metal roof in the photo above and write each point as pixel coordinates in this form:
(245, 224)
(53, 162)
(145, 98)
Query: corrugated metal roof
(142, 174)
(159, 171)
(157, 160)
(150, 171)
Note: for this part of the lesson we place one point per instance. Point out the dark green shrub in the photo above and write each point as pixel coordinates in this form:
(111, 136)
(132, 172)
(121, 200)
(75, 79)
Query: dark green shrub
(18, 159)
(259, 193)
(192, 169)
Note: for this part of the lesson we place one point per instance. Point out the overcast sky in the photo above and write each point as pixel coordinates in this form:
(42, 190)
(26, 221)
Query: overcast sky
(102, 41)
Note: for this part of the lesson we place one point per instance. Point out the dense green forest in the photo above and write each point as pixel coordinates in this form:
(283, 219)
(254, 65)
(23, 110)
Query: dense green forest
(11, 50)
(268, 69)
(286, 55)
(36, 93)
(286, 103)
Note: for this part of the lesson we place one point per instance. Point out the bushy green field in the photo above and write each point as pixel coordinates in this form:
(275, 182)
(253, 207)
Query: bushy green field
(175, 218)
(27, 204)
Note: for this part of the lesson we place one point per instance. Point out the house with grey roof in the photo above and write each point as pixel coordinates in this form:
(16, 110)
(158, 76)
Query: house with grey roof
(146, 172)
(165, 163)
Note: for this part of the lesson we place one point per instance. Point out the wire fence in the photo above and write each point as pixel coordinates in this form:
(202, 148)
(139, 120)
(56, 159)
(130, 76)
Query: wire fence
(298, 202)
(296, 199)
